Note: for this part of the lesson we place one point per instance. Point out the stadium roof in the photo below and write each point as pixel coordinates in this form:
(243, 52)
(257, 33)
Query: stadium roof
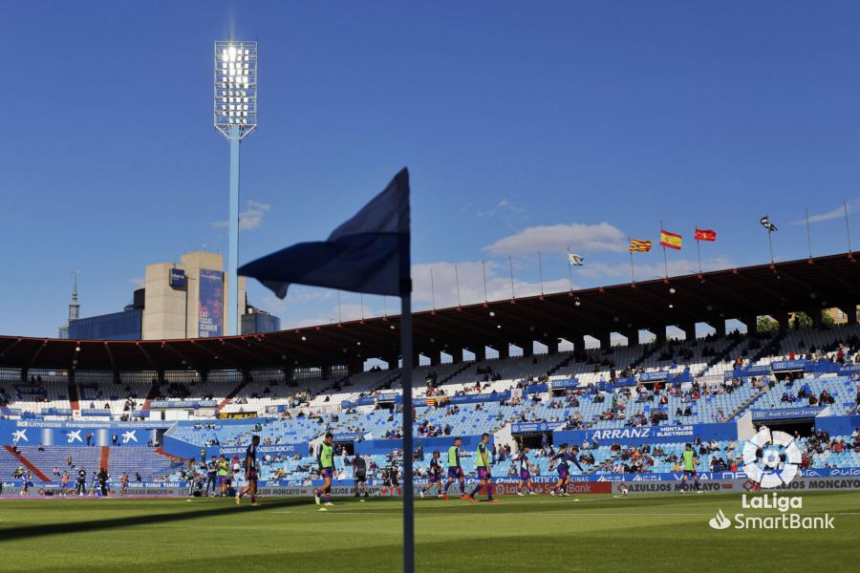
(682, 301)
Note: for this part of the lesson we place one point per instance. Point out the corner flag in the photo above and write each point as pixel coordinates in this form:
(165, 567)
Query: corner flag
(368, 254)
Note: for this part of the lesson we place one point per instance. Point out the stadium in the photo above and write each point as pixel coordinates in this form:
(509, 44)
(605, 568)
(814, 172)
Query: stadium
(699, 420)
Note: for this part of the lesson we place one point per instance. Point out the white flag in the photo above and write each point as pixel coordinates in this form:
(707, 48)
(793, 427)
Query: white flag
(575, 259)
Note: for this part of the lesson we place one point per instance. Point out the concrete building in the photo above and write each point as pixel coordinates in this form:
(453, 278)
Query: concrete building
(189, 299)
(179, 300)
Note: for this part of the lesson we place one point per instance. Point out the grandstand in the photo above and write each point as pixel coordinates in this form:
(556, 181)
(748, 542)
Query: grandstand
(806, 377)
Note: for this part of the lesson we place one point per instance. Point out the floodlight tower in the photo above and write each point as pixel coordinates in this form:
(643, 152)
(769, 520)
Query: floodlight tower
(235, 118)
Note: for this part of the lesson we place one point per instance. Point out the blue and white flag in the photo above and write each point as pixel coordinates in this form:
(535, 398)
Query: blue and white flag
(368, 254)
(575, 260)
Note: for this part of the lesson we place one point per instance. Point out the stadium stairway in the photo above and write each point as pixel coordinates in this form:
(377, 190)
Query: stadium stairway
(773, 347)
(104, 458)
(389, 381)
(649, 351)
(233, 393)
(567, 360)
(152, 395)
(721, 356)
(74, 399)
(28, 464)
(460, 370)
(748, 402)
(160, 451)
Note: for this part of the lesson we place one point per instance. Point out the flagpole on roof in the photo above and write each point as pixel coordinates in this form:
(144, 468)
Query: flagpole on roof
(632, 272)
(698, 248)
(432, 289)
(511, 264)
(770, 244)
(665, 262)
(484, 269)
(457, 278)
(847, 227)
(808, 234)
(540, 270)
(569, 270)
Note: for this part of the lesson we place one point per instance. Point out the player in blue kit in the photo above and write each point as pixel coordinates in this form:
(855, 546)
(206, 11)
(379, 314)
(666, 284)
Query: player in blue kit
(565, 457)
(524, 470)
(434, 474)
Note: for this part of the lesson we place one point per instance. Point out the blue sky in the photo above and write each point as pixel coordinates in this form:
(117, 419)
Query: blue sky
(526, 127)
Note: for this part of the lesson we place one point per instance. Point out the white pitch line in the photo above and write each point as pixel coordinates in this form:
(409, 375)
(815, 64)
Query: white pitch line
(566, 514)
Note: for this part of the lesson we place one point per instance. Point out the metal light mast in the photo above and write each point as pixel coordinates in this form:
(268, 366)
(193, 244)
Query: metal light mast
(235, 118)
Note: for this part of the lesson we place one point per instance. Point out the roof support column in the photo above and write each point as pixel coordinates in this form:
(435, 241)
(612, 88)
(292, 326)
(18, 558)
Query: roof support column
(435, 357)
(660, 333)
(480, 353)
(552, 346)
(782, 319)
(632, 336)
(720, 326)
(689, 329)
(751, 321)
(815, 314)
(605, 339)
(504, 351)
(850, 310)
(528, 347)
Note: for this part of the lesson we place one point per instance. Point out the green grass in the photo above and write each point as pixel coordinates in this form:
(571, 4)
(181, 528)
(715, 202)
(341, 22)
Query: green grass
(598, 533)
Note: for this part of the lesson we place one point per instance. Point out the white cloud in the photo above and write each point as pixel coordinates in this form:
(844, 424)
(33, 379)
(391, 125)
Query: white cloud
(554, 238)
(650, 270)
(347, 312)
(137, 282)
(505, 211)
(837, 213)
(249, 219)
(471, 287)
(471, 276)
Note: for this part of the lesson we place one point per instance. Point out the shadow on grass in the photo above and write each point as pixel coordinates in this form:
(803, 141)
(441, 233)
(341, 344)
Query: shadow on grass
(42, 530)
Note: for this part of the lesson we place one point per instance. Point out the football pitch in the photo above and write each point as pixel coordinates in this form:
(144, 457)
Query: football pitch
(585, 533)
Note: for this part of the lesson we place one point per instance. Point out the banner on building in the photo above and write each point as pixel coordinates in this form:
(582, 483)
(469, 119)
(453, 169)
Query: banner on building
(211, 308)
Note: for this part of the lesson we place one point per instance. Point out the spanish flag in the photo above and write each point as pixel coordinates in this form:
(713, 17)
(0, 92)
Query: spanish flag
(637, 246)
(670, 240)
(706, 235)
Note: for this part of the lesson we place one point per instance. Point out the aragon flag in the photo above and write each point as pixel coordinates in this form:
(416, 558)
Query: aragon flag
(671, 240)
(637, 246)
(706, 235)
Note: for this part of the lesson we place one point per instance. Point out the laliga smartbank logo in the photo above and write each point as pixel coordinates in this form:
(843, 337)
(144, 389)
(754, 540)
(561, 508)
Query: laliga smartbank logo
(720, 521)
(771, 459)
(785, 519)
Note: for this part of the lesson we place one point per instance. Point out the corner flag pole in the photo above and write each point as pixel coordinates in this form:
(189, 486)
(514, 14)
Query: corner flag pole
(406, 379)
